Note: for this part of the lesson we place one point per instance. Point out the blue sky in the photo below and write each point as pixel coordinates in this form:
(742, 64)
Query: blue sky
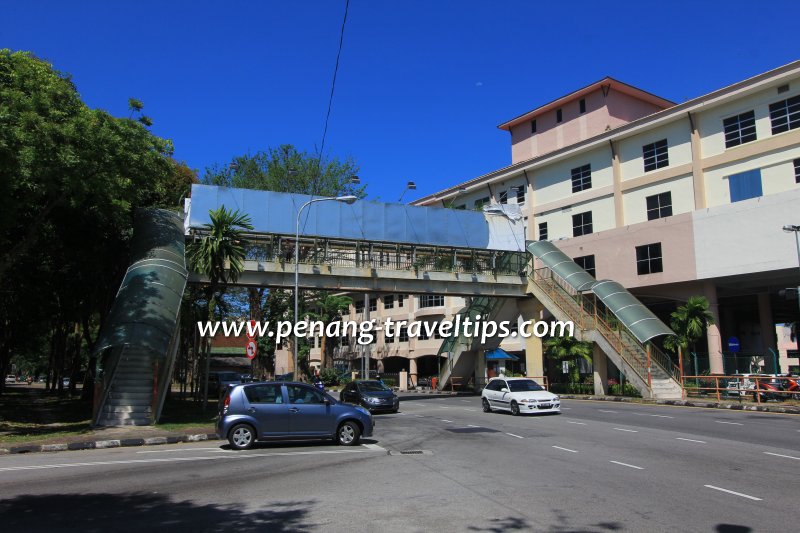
(422, 85)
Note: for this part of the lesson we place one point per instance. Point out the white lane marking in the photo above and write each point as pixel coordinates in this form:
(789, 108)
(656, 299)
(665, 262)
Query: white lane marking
(691, 440)
(512, 435)
(733, 492)
(606, 411)
(420, 416)
(626, 464)
(731, 423)
(567, 408)
(466, 401)
(648, 414)
(572, 422)
(628, 430)
(374, 447)
(178, 459)
(444, 407)
(181, 450)
(473, 426)
(467, 409)
(443, 420)
(565, 449)
(786, 456)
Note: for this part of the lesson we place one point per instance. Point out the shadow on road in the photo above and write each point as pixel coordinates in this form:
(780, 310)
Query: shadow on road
(143, 512)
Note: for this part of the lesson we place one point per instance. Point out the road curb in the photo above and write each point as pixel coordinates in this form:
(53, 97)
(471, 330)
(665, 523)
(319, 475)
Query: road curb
(689, 403)
(105, 444)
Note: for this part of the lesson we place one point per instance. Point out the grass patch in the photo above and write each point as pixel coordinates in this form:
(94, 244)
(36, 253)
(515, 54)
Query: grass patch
(179, 415)
(30, 414)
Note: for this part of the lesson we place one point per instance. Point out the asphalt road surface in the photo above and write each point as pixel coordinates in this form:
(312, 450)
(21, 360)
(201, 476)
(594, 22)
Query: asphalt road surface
(597, 467)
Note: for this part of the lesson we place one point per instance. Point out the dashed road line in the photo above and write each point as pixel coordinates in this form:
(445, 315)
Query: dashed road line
(567, 408)
(626, 464)
(565, 449)
(473, 426)
(691, 440)
(573, 422)
(448, 421)
(512, 435)
(606, 411)
(468, 409)
(648, 414)
(731, 423)
(627, 430)
(181, 450)
(733, 492)
(781, 455)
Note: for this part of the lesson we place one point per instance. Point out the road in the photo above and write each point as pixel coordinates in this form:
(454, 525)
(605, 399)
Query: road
(598, 467)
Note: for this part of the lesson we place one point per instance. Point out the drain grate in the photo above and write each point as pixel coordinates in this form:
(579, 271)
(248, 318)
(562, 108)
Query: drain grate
(411, 452)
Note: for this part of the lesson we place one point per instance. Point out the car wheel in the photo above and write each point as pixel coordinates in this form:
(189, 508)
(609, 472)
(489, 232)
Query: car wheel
(514, 408)
(348, 434)
(242, 437)
(486, 407)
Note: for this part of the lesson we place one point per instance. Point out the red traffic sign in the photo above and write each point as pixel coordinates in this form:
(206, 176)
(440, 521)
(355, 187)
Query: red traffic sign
(251, 329)
(252, 349)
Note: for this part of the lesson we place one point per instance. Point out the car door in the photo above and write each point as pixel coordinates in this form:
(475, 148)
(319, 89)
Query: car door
(501, 399)
(309, 414)
(351, 394)
(268, 406)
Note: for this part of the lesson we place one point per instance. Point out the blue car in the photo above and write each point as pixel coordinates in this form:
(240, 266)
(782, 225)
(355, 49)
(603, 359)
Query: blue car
(268, 411)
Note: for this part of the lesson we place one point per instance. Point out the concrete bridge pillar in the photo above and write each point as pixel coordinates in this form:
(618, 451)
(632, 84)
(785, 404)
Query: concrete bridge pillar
(412, 371)
(600, 366)
(531, 309)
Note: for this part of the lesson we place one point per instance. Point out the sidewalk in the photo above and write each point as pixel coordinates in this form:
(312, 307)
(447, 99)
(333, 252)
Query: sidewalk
(694, 402)
(113, 437)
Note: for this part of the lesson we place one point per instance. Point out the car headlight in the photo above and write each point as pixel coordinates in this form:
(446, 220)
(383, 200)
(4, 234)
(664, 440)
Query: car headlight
(527, 401)
(372, 399)
(556, 398)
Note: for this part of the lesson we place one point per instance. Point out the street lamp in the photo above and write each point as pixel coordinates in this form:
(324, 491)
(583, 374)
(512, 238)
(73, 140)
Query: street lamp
(344, 199)
(789, 228)
(410, 186)
(459, 192)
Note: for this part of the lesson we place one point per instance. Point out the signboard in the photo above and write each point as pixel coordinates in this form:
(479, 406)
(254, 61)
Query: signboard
(565, 367)
(733, 345)
(252, 349)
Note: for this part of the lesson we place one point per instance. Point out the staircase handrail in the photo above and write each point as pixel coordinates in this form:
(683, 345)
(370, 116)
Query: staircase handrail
(108, 382)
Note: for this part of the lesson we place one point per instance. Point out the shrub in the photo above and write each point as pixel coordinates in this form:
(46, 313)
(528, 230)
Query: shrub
(624, 390)
(329, 377)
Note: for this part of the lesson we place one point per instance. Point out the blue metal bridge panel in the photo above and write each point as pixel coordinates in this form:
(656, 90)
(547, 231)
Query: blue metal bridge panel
(274, 212)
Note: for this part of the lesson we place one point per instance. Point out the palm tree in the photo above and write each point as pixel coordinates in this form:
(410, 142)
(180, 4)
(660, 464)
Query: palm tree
(689, 322)
(569, 349)
(219, 254)
(328, 308)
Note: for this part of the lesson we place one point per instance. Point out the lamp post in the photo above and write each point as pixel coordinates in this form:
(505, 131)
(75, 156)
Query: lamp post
(789, 228)
(458, 193)
(410, 186)
(344, 199)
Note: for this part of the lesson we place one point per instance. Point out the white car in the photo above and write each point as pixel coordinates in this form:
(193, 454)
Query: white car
(11, 378)
(518, 395)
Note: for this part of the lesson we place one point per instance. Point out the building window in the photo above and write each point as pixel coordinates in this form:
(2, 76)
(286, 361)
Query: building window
(359, 304)
(586, 262)
(533, 126)
(582, 178)
(390, 336)
(740, 129)
(648, 259)
(401, 298)
(542, 231)
(582, 224)
(785, 115)
(655, 155)
(745, 185)
(480, 202)
(462, 206)
(559, 116)
(431, 300)
(797, 170)
(520, 194)
(373, 304)
(659, 206)
(403, 337)
(422, 335)
(388, 302)
(504, 197)
(582, 105)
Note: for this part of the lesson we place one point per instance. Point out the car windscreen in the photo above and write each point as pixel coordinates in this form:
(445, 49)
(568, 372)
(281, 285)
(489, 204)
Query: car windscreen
(524, 385)
(228, 376)
(372, 386)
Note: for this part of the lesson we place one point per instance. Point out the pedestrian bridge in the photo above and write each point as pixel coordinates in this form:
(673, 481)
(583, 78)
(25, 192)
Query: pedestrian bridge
(371, 246)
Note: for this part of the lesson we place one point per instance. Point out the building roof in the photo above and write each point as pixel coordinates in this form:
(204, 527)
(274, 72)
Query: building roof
(605, 83)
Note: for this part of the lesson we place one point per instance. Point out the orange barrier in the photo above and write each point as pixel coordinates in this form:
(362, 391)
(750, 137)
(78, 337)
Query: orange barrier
(761, 387)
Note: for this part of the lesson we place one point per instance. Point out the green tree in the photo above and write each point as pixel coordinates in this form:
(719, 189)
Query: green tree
(219, 255)
(71, 179)
(328, 308)
(569, 349)
(689, 322)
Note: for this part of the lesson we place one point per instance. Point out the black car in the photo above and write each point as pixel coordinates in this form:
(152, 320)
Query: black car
(373, 395)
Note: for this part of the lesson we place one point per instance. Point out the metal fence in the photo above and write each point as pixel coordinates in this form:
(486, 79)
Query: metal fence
(385, 256)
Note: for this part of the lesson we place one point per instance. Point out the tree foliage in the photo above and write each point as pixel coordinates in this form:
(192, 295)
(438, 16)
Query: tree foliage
(71, 178)
(689, 322)
(569, 349)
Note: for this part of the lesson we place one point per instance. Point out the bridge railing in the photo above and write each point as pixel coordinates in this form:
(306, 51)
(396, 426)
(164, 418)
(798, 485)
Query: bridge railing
(385, 256)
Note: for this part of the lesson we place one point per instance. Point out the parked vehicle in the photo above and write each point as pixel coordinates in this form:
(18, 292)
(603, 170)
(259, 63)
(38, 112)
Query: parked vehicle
(11, 378)
(288, 411)
(792, 384)
(373, 395)
(219, 381)
(519, 396)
